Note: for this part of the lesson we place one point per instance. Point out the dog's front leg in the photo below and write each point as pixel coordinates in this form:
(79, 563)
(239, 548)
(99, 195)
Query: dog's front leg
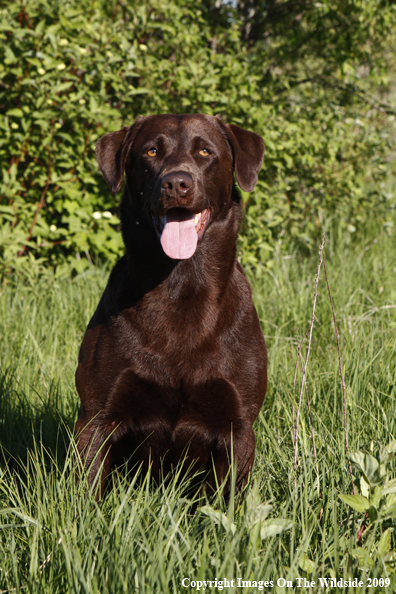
(233, 453)
(94, 447)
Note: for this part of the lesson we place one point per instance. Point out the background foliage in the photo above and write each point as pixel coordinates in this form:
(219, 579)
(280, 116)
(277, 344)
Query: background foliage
(313, 79)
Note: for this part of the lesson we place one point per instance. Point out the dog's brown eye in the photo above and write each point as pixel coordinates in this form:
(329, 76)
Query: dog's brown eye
(152, 152)
(204, 152)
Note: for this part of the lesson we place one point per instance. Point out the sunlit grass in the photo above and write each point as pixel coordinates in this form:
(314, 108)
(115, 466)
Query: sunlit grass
(147, 538)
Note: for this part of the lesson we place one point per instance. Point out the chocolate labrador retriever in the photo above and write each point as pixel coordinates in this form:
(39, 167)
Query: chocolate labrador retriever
(173, 365)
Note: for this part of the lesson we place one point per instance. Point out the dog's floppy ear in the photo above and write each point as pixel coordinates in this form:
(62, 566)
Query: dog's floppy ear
(248, 151)
(112, 151)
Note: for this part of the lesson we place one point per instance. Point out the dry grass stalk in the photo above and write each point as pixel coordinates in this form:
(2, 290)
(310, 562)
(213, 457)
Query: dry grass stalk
(49, 557)
(299, 347)
(312, 429)
(308, 351)
(294, 390)
(341, 374)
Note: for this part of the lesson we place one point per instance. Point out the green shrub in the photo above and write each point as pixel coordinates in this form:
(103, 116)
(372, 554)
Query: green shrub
(71, 71)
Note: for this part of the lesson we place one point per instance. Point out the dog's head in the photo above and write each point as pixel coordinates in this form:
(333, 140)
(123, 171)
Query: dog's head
(179, 172)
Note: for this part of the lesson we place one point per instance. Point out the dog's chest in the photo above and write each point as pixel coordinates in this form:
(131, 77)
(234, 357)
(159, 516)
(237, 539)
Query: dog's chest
(173, 360)
(176, 422)
(176, 345)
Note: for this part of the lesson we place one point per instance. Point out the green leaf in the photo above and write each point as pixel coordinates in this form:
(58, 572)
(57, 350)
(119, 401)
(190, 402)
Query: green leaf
(218, 518)
(273, 527)
(376, 496)
(16, 112)
(357, 502)
(388, 510)
(389, 487)
(372, 513)
(306, 564)
(391, 447)
(385, 542)
(368, 465)
(364, 487)
(363, 557)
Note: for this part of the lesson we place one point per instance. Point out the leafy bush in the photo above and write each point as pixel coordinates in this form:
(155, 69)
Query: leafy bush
(376, 499)
(71, 71)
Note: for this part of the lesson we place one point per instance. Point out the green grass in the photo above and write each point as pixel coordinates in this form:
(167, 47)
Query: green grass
(142, 538)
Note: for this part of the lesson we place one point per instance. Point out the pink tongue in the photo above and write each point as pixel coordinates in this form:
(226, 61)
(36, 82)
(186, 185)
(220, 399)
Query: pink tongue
(179, 238)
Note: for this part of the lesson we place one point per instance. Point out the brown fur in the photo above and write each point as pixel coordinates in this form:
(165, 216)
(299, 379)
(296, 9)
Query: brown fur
(173, 361)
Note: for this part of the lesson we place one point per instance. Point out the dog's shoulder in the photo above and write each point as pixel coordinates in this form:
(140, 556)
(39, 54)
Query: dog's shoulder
(118, 294)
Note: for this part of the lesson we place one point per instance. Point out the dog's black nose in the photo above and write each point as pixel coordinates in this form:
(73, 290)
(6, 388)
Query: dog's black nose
(177, 184)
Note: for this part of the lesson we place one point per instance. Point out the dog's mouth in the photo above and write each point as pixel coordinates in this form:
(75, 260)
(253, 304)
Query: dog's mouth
(179, 231)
